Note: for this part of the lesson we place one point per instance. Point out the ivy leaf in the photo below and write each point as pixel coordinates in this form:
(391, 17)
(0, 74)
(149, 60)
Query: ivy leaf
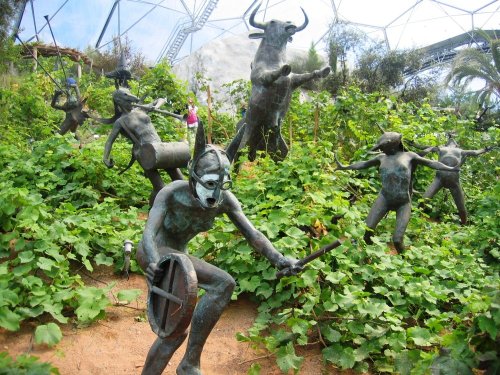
(330, 334)
(254, 369)
(54, 253)
(397, 341)
(287, 360)
(26, 256)
(249, 285)
(335, 277)
(31, 281)
(487, 325)
(420, 336)
(22, 269)
(295, 232)
(446, 365)
(298, 325)
(9, 320)
(356, 327)
(340, 356)
(102, 259)
(406, 360)
(309, 278)
(372, 308)
(264, 290)
(55, 309)
(92, 303)
(45, 263)
(8, 297)
(128, 295)
(242, 338)
(49, 334)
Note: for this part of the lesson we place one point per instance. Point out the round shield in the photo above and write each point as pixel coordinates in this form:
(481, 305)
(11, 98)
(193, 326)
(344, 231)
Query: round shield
(172, 299)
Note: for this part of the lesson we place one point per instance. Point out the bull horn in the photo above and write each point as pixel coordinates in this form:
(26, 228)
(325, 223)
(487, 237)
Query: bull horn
(303, 26)
(252, 21)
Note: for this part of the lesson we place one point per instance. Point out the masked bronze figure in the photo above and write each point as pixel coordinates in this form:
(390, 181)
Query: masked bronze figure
(451, 155)
(135, 125)
(396, 168)
(182, 210)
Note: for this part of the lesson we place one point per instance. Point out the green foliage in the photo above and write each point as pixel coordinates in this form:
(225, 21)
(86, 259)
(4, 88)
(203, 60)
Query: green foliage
(373, 309)
(25, 365)
(58, 211)
(9, 8)
(433, 307)
(49, 334)
(109, 59)
(381, 70)
(92, 303)
(24, 110)
(9, 53)
(307, 64)
(160, 82)
(128, 295)
(472, 64)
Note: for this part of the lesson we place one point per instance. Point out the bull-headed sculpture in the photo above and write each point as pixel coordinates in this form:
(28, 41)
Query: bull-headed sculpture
(272, 87)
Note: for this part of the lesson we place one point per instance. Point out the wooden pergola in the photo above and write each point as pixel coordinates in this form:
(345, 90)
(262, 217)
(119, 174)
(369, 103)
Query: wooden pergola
(46, 50)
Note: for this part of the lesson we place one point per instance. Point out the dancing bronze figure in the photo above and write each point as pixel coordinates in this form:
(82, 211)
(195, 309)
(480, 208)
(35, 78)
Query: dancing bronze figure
(453, 156)
(396, 168)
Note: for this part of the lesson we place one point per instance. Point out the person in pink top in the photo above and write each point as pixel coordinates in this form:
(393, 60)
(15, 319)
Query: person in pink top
(191, 120)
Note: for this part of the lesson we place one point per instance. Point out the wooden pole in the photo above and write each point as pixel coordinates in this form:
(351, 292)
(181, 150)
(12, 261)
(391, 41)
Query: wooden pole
(316, 123)
(209, 104)
(35, 56)
(78, 68)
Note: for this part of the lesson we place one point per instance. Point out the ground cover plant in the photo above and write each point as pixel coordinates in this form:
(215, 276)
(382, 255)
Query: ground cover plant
(435, 306)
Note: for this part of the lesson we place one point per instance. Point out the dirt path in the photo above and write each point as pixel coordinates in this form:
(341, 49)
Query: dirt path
(119, 343)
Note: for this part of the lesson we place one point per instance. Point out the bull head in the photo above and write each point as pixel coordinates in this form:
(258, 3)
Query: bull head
(275, 29)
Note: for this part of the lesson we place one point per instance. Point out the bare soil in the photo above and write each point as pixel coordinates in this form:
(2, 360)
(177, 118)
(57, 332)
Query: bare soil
(119, 343)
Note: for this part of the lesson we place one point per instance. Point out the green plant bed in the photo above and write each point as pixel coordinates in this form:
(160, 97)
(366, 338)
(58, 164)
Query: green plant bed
(369, 308)
(25, 365)
(433, 306)
(61, 210)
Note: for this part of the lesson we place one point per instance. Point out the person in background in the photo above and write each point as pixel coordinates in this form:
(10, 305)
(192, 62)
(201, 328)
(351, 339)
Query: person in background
(192, 121)
(243, 109)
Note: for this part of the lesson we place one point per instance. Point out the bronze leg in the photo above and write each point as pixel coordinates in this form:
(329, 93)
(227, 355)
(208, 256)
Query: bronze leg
(218, 286)
(377, 212)
(403, 214)
(458, 196)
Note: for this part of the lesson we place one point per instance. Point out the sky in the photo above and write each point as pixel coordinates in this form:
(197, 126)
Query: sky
(150, 24)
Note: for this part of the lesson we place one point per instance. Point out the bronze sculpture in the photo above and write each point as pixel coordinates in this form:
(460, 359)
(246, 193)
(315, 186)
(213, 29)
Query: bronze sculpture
(121, 75)
(182, 210)
(136, 125)
(396, 168)
(451, 155)
(272, 88)
(73, 107)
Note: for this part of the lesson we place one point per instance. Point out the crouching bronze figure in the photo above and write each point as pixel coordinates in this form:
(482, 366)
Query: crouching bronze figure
(180, 211)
